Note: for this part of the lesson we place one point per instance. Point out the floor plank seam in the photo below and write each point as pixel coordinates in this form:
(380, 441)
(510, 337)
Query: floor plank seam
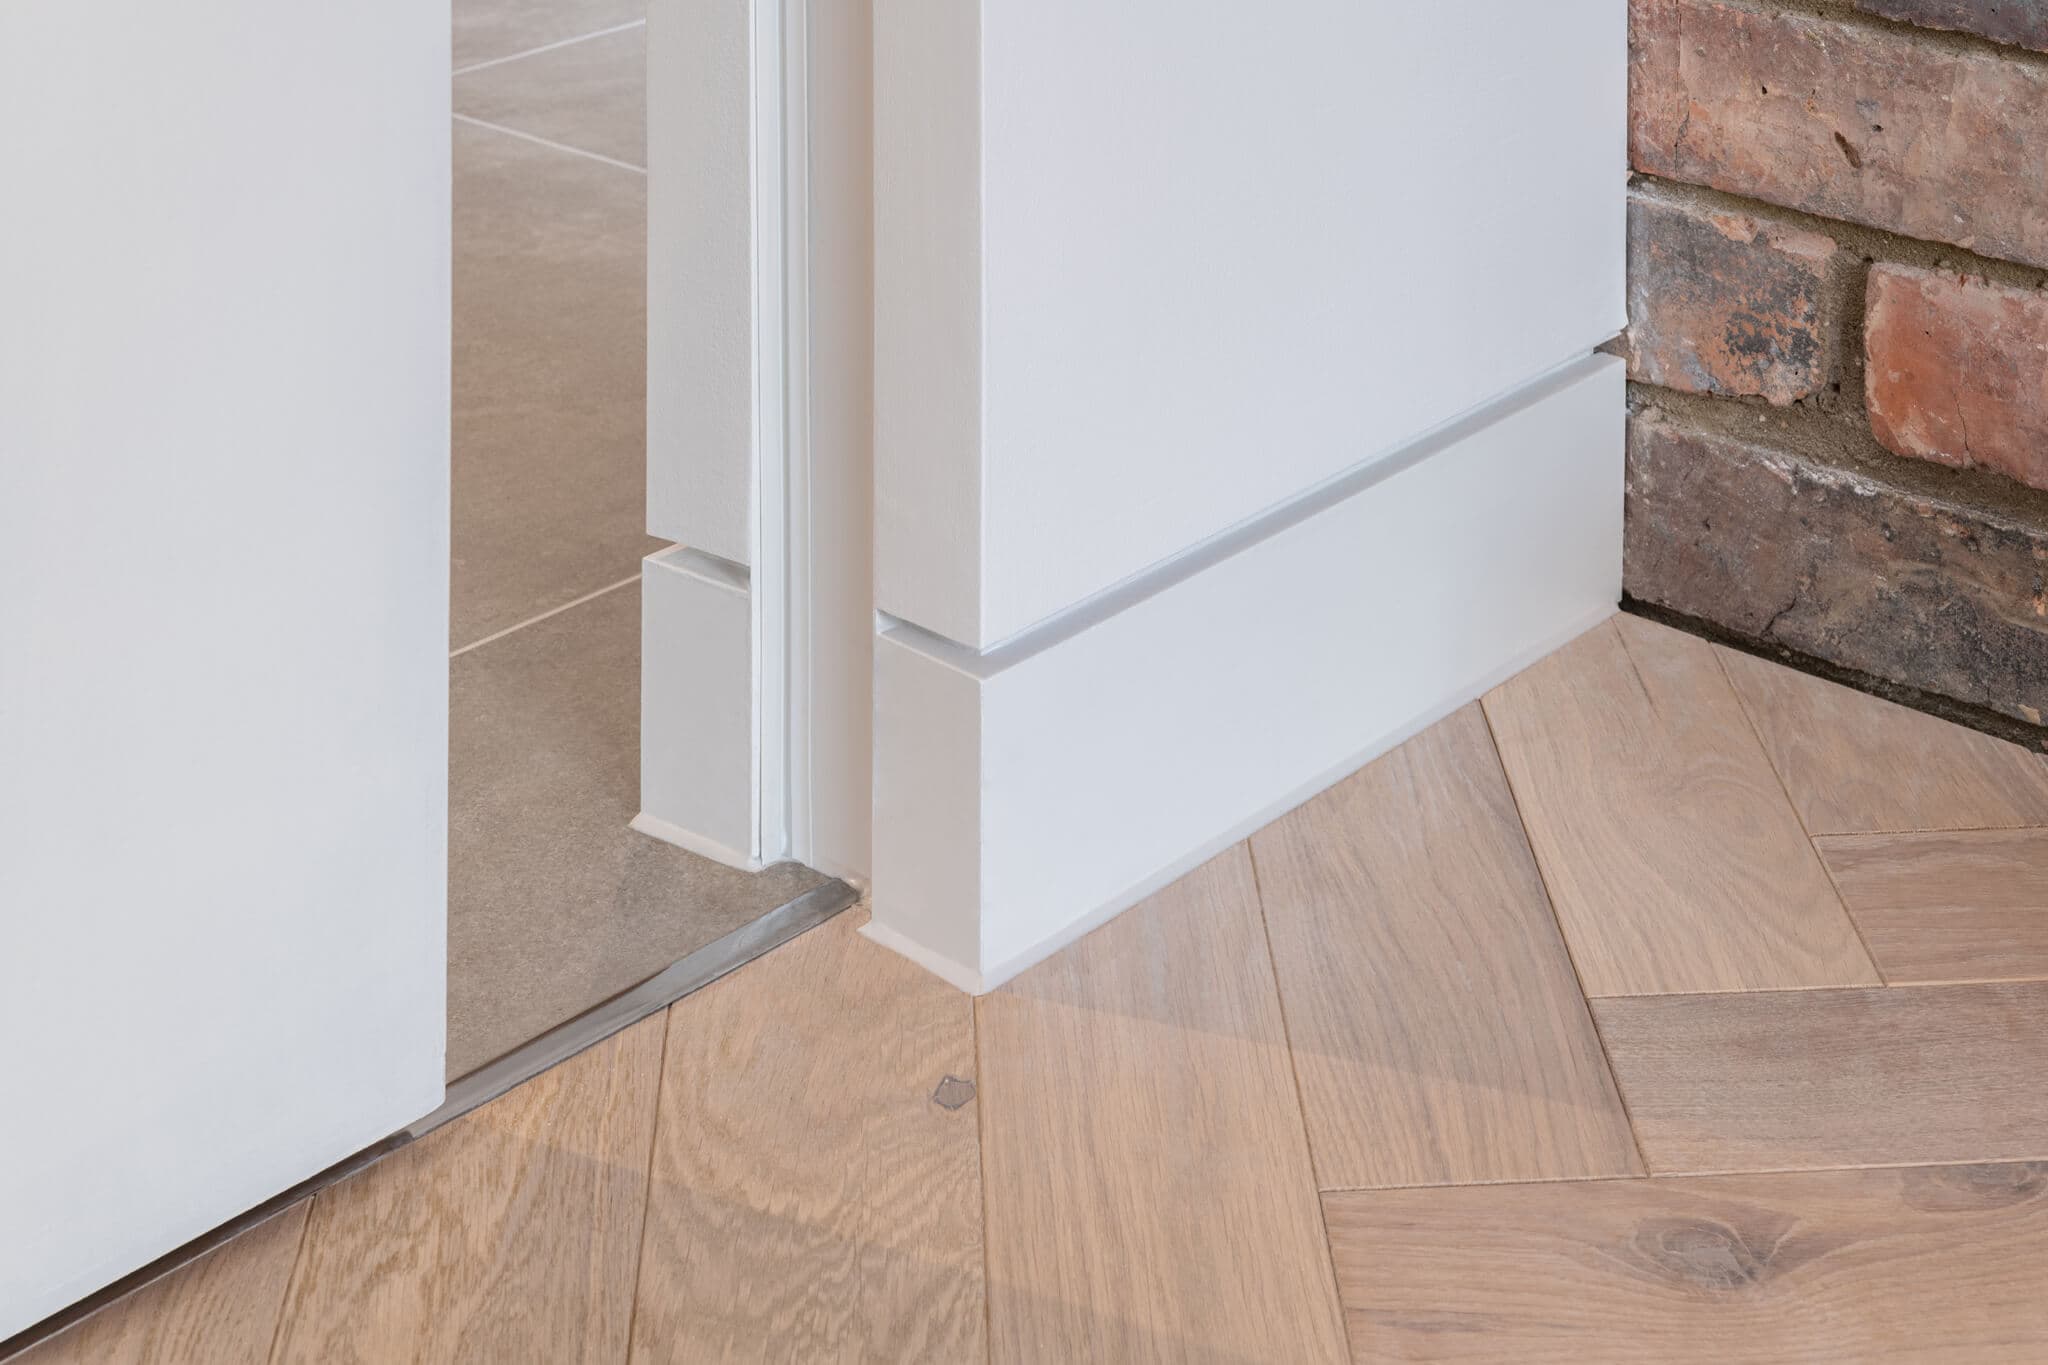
(988, 1317)
(1635, 673)
(1770, 760)
(1902, 988)
(1828, 870)
(1749, 990)
(1504, 1183)
(1703, 1173)
(1889, 831)
(1944, 1163)
(668, 1025)
(291, 1283)
(1570, 955)
(1308, 1137)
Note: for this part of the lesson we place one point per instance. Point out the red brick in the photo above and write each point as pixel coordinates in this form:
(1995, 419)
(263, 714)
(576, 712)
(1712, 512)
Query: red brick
(2003, 21)
(1958, 371)
(1839, 563)
(1858, 121)
(1726, 303)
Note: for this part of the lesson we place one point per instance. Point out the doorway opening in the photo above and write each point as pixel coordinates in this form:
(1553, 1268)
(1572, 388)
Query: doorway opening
(555, 905)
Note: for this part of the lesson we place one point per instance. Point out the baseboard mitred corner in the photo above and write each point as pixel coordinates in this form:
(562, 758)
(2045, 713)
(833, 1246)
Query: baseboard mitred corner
(655, 828)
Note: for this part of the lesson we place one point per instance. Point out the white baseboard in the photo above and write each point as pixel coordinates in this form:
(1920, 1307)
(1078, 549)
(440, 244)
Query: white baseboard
(698, 754)
(956, 974)
(1254, 822)
(1026, 794)
(656, 828)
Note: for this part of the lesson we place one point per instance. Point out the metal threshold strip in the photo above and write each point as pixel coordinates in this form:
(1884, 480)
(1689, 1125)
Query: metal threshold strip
(485, 1084)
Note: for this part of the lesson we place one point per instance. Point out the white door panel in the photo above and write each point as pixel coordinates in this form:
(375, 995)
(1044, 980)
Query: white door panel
(224, 292)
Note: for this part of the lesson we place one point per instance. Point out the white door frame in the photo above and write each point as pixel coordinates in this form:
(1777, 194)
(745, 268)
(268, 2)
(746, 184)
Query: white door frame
(759, 454)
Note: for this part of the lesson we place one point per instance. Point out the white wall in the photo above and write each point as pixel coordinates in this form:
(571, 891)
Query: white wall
(1163, 288)
(1025, 794)
(224, 412)
(1148, 268)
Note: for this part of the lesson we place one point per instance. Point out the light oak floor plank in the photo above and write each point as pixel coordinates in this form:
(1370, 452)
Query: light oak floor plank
(1943, 1265)
(1673, 857)
(814, 1198)
(1959, 906)
(509, 1235)
(1857, 764)
(1150, 1195)
(220, 1310)
(1436, 1025)
(1786, 1080)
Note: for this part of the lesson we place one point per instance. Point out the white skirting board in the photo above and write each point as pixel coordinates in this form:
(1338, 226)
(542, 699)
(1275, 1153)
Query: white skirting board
(697, 723)
(1026, 794)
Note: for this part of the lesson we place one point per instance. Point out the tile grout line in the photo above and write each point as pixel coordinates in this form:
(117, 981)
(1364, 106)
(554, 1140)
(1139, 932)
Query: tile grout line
(1756, 731)
(668, 1023)
(1308, 1137)
(1564, 939)
(536, 620)
(545, 142)
(547, 47)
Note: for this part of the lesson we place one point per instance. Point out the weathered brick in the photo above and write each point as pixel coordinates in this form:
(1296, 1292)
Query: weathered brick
(1846, 120)
(1838, 564)
(1725, 303)
(1958, 371)
(2003, 21)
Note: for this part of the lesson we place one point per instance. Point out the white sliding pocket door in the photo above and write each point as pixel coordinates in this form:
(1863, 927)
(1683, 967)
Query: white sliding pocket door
(224, 352)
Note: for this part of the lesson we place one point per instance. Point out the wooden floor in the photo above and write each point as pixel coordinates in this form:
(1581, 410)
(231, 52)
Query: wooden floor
(1667, 1006)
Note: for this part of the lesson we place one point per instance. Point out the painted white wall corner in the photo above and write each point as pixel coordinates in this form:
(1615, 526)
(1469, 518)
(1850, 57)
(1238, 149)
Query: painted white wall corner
(1168, 300)
(1026, 794)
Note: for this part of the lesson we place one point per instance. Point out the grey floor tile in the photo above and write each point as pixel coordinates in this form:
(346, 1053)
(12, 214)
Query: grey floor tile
(486, 30)
(554, 904)
(550, 426)
(590, 95)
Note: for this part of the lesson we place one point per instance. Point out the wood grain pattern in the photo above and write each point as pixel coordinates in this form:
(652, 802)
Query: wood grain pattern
(1672, 855)
(220, 1310)
(1857, 764)
(1150, 1195)
(1436, 1024)
(510, 1234)
(1959, 906)
(812, 1200)
(1796, 1079)
(1934, 1264)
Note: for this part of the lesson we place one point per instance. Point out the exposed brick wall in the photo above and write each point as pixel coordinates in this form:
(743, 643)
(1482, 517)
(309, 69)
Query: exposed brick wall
(2004, 21)
(1838, 333)
(1958, 370)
